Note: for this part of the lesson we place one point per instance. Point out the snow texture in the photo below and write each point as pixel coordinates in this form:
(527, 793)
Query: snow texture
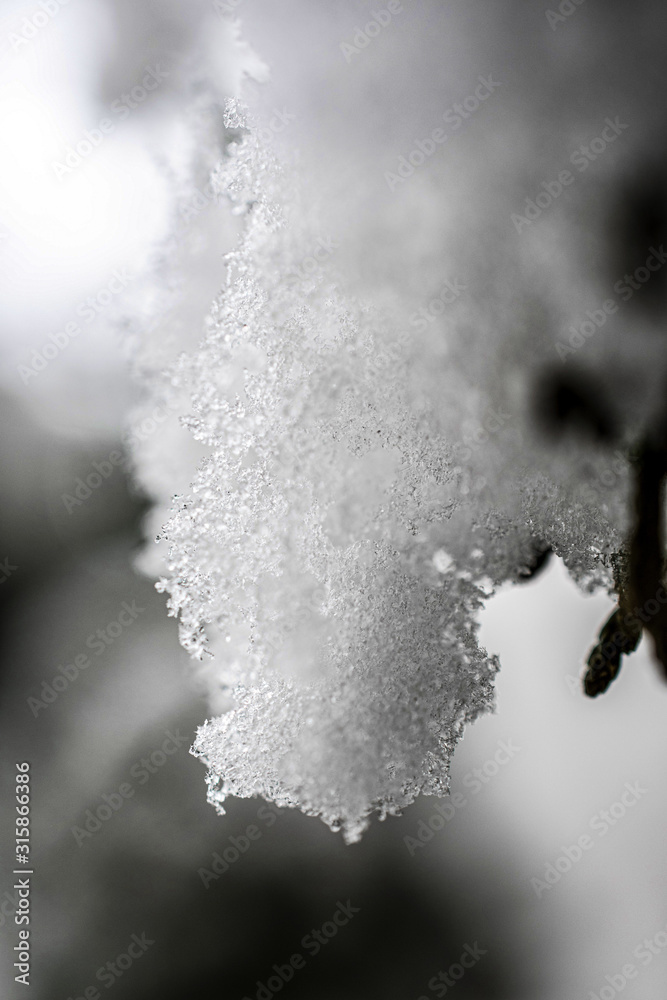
(338, 483)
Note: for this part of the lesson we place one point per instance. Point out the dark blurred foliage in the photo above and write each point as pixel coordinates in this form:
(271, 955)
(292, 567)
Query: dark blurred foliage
(573, 401)
(639, 224)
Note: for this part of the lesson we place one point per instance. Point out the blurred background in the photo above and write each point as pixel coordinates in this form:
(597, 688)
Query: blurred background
(427, 885)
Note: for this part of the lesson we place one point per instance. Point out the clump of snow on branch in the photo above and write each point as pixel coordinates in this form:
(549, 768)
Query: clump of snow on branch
(333, 501)
(350, 657)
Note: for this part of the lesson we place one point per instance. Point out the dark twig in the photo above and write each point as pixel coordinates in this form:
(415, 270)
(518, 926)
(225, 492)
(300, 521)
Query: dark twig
(642, 596)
